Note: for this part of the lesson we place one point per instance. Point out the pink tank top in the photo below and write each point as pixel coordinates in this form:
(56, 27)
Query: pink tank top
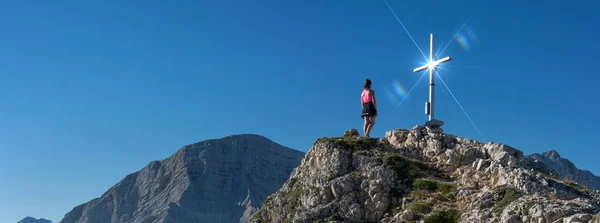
(366, 97)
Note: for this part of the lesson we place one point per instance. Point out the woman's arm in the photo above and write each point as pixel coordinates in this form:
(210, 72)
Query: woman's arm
(361, 102)
(373, 99)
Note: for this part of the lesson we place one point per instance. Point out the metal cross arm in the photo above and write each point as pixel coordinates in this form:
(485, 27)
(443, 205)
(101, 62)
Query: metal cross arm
(433, 64)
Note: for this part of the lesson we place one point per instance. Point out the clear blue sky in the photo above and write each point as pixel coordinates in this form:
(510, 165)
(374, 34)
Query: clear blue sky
(91, 91)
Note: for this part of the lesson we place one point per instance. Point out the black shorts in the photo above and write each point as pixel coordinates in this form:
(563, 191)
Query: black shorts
(368, 110)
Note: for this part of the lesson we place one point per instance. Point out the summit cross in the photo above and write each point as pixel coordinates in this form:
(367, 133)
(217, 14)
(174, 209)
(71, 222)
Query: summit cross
(432, 65)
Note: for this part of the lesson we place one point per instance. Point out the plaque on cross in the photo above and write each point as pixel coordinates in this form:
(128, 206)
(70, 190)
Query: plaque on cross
(432, 65)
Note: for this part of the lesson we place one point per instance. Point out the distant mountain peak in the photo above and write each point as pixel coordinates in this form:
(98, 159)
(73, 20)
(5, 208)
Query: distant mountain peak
(33, 220)
(567, 169)
(215, 180)
(552, 154)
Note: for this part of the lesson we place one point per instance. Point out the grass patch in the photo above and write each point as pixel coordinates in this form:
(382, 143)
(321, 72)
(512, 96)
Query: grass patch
(445, 189)
(425, 184)
(552, 175)
(407, 168)
(566, 189)
(330, 177)
(256, 216)
(574, 185)
(418, 194)
(357, 143)
(324, 139)
(443, 216)
(292, 182)
(335, 217)
(354, 143)
(402, 166)
(568, 183)
(396, 210)
(508, 195)
(269, 198)
(594, 218)
(421, 207)
(291, 200)
(531, 204)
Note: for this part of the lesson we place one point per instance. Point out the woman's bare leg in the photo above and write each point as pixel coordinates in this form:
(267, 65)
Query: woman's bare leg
(371, 124)
(366, 127)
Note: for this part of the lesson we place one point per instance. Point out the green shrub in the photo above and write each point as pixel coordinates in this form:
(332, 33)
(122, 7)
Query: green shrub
(444, 189)
(407, 168)
(425, 184)
(418, 194)
(353, 143)
(444, 216)
(335, 217)
(291, 200)
(419, 206)
(256, 216)
(508, 195)
(357, 143)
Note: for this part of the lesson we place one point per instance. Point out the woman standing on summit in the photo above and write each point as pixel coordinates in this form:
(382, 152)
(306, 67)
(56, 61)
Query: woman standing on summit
(369, 107)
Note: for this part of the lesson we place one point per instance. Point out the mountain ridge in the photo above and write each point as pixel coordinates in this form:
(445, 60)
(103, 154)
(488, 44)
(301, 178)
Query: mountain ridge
(224, 179)
(34, 220)
(566, 169)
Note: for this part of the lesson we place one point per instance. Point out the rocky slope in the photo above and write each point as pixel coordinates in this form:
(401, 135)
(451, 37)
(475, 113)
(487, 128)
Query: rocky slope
(220, 180)
(567, 170)
(33, 220)
(424, 175)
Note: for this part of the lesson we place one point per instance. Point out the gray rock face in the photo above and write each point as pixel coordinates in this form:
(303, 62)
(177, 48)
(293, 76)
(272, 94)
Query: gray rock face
(567, 170)
(33, 220)
(424, 175)
(219, 180)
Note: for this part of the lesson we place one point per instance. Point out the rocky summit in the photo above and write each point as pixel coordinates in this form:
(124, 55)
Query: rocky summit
(424, 175)
(219, 180)
(566, 169)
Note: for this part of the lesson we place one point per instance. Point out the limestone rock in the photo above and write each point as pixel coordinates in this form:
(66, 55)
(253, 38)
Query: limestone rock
(397, 138)
(424, 175)
(503, 154)
(578, 218)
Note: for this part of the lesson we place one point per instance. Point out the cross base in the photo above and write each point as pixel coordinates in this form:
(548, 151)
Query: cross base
(434, 123)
